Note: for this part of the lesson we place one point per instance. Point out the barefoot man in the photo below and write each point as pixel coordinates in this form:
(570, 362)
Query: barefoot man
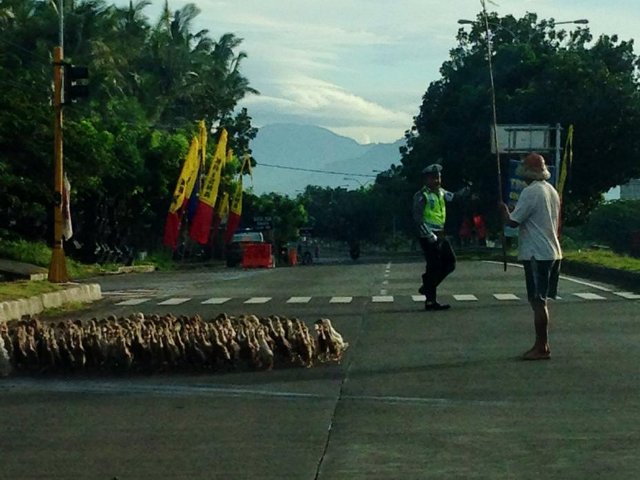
(537, 215)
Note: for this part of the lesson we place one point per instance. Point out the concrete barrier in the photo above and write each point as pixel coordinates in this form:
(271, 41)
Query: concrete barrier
(16, 309)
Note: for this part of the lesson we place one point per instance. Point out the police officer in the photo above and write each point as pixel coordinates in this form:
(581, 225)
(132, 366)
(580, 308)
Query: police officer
(429, 214)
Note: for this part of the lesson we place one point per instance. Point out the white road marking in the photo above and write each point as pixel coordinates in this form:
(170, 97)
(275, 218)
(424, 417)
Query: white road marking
(586, 284)
(299, 300)
(628, 295)
(589, 296)
(99, 387)
(385, 282)
(466, 297)
(382, 299)
(564, 277)
(175, 301)
(216, 301)
(341, 300)
(258, 300)
(131, 291)
(506, 296)
(134, 301)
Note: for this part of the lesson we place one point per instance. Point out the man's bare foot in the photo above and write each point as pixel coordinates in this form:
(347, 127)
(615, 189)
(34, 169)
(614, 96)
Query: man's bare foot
(538, 352)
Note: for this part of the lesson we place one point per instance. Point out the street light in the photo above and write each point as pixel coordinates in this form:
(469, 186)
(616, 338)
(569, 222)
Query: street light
(580, 21)
(362, 185)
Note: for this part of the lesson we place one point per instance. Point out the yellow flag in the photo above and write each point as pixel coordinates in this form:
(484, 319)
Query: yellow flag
(236, 200)
(246, 164)
(223, 206)
(212, 180)
(188, 177)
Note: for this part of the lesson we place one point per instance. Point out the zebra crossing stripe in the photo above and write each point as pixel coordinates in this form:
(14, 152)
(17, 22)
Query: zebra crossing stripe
(506, 296)
(175, 301)
(382, 299)
(133, 301)
(299, 300)
(256, 300)
(216, 301)
(589, 296)
(628, 295)
(466, 297)
(341, 300)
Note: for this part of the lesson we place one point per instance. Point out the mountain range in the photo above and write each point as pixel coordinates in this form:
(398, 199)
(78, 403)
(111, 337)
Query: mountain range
(290, 156)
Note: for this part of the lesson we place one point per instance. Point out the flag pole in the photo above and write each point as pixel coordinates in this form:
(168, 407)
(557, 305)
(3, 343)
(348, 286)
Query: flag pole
(58, 265)
(495, 126)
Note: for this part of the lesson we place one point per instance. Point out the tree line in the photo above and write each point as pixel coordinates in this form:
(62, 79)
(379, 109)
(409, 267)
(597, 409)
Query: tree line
(152, 80)
(150, 83)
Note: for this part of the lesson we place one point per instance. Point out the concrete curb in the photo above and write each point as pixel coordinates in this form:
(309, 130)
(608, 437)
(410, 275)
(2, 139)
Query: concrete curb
(16, 309)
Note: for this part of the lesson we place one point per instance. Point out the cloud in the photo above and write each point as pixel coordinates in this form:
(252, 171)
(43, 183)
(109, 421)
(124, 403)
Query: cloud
(356, 66)
(326, 104)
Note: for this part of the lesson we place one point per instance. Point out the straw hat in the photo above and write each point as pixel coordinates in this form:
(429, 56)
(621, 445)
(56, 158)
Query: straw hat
(533, 167)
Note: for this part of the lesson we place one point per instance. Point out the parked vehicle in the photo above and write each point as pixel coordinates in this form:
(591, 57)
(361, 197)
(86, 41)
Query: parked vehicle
(238, 242)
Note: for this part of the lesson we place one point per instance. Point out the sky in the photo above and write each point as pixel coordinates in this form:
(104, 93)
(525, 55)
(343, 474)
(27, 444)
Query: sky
(360, 67)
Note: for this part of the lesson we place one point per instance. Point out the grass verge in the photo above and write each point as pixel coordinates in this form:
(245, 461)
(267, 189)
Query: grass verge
(605, 258)
(25, 289)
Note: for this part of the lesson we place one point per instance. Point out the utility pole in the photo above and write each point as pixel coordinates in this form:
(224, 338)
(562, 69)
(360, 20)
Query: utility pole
(58, 266)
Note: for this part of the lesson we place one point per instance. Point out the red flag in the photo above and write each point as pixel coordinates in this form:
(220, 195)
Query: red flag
(172, 230)
(201, 224)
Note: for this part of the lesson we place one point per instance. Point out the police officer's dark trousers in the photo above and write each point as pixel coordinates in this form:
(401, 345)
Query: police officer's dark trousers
(440, 262)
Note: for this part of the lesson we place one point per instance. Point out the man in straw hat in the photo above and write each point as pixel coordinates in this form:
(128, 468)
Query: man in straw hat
(429, 214)
(537, 214)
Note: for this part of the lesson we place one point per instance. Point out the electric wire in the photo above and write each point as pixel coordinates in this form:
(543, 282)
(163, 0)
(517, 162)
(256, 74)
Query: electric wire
(328, 172)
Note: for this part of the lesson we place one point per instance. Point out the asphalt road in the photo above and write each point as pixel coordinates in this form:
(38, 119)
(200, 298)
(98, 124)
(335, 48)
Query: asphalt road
(419, 394)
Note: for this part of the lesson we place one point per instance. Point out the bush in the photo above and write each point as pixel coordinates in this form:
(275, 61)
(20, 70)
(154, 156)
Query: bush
(613, 224)
(22, 251)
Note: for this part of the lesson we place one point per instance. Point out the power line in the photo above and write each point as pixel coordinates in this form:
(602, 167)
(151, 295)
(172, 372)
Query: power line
(46, 61)
(327, 172)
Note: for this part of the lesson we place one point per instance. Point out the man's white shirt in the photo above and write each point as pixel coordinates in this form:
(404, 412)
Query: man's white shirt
(538, 213)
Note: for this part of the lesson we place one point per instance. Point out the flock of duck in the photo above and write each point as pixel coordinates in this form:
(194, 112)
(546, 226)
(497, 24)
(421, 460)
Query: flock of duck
(162, 343)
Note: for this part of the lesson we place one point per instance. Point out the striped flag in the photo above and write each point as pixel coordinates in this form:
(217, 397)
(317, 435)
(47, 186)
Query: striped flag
(222, 210)
(235, 211)
(565, 167)
(202, 220)
(181, 194)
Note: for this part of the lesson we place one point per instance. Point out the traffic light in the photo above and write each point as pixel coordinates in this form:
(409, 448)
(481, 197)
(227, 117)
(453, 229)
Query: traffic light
(75, 83)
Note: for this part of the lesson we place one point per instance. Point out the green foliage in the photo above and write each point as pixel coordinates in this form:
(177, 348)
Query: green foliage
(613, 224)
(542, 76)
(150, 83)
(605, 258)
(29, 252)
(287, 215)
